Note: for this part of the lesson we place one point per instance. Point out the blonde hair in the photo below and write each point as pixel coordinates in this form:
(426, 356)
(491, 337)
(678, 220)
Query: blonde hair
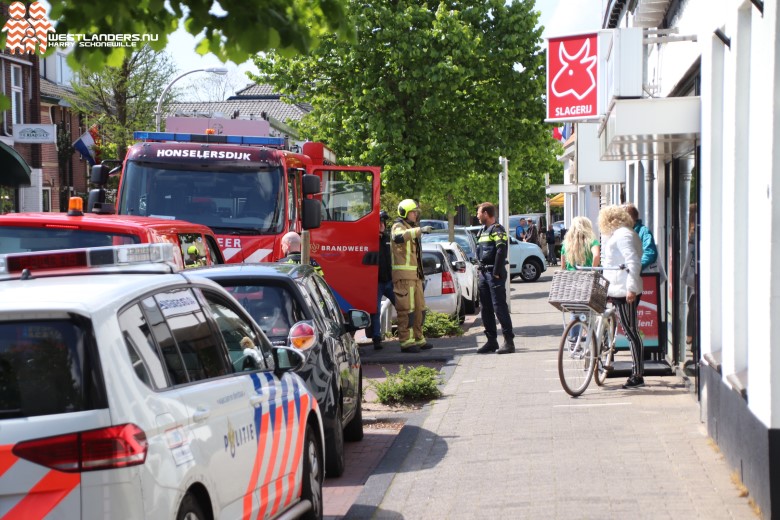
(578, 241)
(614, 217)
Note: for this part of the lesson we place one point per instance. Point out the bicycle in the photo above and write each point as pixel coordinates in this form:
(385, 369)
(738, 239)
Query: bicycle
(589, 351)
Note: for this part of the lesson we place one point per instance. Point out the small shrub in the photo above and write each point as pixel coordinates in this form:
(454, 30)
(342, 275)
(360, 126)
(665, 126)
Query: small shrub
(437, 325)
(415, 384)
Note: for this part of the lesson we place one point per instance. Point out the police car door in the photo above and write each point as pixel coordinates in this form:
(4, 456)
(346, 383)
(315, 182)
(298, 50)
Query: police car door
(212, 405)
(269, 445)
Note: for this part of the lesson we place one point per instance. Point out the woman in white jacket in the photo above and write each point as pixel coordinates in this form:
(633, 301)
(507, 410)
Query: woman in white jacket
(622, 246)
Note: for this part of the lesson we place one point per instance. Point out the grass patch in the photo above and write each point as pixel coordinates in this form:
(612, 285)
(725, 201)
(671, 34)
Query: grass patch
(408, 385)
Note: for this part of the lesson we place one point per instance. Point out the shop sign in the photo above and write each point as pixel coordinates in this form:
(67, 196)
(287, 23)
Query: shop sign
(572, 77)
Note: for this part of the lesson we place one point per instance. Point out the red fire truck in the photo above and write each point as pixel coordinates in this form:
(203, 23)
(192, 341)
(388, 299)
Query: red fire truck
(251, 191)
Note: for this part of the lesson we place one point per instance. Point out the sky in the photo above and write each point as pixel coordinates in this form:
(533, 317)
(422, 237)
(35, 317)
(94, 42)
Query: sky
(559, 17)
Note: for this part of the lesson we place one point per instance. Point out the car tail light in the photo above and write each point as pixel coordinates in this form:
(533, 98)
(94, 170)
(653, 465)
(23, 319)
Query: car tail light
(447, 283)
(302, 335)
(105, 448)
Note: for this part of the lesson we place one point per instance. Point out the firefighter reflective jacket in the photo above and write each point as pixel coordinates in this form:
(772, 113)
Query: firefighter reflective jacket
(407, 251)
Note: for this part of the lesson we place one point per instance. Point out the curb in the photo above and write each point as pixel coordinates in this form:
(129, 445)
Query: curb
(375, 488)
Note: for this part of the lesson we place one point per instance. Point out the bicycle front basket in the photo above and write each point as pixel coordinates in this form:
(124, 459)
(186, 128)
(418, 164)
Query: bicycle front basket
(577, 289)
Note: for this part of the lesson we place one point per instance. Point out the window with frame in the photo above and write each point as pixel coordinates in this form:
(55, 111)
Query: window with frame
(194, 349)
(238, 335)
(46, 199)
(17, 95)
(334, 311)
(144, 356)
(347, 196)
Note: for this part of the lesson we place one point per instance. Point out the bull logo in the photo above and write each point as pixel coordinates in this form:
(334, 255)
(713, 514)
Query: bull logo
(576, 75)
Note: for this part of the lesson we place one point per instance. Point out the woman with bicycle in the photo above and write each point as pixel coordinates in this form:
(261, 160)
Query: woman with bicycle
(622, 247)
(580, 248)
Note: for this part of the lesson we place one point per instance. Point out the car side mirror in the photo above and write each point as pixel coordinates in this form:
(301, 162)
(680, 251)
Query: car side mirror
(460, 266)
(357, 319)
(287, 359)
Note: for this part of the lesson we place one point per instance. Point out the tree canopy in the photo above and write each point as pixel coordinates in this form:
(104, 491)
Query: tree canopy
(434, 92)
(233, 30)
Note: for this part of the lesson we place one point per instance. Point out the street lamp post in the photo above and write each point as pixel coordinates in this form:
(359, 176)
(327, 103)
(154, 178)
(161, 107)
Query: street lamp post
(158, 114)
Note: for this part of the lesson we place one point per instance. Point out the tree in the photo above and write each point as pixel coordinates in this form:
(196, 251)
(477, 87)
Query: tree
(211, 87)
(123, 99)
(233, 29)
(434, 92)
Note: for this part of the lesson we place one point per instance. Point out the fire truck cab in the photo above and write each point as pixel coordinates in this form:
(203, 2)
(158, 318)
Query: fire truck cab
(250, 191)
(30, 232)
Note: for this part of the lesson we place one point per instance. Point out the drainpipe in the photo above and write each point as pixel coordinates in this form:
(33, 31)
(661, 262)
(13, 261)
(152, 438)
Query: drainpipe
(647, 205)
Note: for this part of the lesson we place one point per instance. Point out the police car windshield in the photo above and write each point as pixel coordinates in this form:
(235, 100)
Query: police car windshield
(248, 199)
(22, 239)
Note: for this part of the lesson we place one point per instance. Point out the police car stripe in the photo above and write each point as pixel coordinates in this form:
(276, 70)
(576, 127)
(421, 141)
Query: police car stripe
(288, 456)
(7, 458)
(271, 468)
(44, 496)
(285, 459)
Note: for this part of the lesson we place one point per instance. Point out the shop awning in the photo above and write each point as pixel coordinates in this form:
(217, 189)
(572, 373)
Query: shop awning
(14, 170)
(557, 201)
(658, 128)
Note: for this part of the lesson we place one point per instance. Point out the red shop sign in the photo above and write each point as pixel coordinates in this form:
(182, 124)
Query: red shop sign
(572, 77)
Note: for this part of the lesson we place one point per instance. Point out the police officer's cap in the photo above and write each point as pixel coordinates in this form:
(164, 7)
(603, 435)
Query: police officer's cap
(406, 206)
(383, 215)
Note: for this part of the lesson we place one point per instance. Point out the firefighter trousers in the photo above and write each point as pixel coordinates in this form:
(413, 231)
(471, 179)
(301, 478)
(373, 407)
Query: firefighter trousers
(409, 299)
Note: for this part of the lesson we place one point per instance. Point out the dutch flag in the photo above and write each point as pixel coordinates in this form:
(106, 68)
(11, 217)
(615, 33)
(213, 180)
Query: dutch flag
(85, 145)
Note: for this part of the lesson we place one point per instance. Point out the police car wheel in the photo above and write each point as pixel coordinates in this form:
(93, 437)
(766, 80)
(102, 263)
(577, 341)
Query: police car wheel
(190, 509)
(312, 475)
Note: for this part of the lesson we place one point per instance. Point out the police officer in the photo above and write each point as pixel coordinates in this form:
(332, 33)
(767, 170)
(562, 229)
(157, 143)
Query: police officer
(492, 252)
(408, 275)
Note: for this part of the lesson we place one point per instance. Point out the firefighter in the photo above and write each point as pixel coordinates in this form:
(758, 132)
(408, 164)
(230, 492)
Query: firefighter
(193, 258)
(291, 249)
(492, 250)
(408, 275)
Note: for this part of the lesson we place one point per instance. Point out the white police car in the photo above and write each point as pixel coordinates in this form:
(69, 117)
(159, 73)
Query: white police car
(138, 393)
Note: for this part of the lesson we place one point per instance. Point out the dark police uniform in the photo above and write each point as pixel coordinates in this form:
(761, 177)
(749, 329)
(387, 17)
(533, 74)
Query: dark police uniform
(492, 250)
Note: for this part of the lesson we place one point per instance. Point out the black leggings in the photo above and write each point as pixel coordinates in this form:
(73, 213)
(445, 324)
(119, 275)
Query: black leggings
(627, 314)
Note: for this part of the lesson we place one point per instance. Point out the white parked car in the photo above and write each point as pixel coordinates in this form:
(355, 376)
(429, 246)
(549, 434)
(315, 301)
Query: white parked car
(442, 289)
(128, 390)
(526, 260)
(468, 276)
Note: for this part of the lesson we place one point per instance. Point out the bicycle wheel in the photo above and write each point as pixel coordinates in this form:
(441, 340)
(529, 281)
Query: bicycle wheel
(576, 359)
(606, 348)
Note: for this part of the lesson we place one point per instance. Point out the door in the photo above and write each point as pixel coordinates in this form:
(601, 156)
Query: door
(349, 230)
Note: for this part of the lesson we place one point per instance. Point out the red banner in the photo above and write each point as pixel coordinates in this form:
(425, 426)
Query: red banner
(646, 314)
(572, 77)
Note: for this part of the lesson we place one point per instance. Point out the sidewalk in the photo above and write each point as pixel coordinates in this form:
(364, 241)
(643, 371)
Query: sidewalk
(506, 442)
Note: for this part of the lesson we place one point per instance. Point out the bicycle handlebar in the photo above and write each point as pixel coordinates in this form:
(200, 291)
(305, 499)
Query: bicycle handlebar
(602, 268)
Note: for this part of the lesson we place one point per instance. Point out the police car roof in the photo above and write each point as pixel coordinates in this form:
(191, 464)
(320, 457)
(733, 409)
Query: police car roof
(87, 292)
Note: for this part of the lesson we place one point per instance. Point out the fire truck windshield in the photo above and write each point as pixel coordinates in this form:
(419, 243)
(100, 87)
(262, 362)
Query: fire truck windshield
(240, 201)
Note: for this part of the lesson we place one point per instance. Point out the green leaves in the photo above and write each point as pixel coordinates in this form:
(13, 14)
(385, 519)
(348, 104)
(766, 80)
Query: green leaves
(237, 31)
(430, 92)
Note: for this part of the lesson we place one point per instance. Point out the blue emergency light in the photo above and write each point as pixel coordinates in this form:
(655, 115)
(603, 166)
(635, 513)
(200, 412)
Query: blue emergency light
(276, 142)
